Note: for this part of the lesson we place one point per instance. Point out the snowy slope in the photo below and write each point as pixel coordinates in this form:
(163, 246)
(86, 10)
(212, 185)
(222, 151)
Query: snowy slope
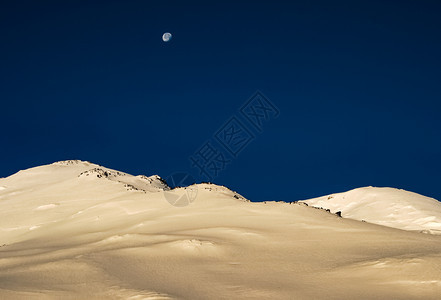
(385, 206)
(76, 230)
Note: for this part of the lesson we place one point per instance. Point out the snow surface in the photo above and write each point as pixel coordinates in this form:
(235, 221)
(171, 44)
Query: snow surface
(76, 230)
(385, 206)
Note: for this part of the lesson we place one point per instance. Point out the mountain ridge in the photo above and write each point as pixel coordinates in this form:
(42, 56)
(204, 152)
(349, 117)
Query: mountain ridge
(378, 205)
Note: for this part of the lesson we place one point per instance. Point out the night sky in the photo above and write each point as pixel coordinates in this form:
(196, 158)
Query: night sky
(354, 86)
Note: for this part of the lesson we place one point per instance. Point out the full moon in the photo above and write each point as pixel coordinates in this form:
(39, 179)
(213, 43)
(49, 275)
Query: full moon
(166, 37)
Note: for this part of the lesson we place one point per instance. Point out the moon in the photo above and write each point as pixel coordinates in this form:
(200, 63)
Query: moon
(166, 37)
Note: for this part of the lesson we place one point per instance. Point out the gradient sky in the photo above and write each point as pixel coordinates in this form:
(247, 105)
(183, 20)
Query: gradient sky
(357, 85)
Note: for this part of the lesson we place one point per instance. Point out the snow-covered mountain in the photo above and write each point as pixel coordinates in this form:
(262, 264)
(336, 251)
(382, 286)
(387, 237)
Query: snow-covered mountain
(385, 206)
(78, 230)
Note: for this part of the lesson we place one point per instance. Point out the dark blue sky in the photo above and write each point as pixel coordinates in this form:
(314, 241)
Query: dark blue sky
(357, 84)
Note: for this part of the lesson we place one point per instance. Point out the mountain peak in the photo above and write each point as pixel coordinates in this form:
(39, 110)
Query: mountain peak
(71, 162)
(385, 206)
